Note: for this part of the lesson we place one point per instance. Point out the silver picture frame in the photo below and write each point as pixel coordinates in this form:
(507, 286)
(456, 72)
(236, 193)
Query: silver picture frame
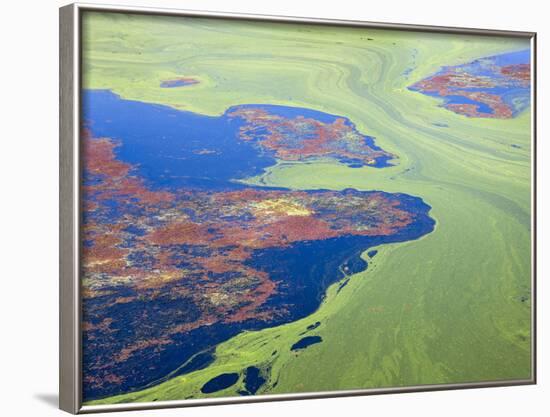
(70, 375)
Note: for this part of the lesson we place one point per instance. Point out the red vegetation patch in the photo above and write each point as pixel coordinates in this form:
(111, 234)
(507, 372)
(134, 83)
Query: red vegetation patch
(304, 138)
(485, 84)
(179, 233)
(517, 71)
(159, 253)
(115, 176)
(298, 228)
(125, 353)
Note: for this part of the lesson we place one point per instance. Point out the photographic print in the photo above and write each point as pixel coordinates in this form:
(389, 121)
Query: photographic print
(274, 208)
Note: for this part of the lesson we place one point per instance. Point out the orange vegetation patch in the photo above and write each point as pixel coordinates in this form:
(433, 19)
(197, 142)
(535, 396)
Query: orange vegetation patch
(100, 160)
(125, 353)
(179, 233)
(517, 71)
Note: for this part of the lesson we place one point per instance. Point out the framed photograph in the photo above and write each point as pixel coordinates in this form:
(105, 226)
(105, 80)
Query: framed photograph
(259, 208)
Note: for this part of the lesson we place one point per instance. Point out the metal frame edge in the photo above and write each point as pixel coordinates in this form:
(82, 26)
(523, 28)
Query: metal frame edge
(69, 287)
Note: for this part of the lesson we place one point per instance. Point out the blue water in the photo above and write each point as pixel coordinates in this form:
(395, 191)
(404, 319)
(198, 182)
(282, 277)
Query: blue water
(172, 149)
(293, 112)
(512, 58)
(481, 107)
(306, 342)
(313, 326)
(304, 281)
(253, 380)
(458, 99)
(200, 361)
(512, 92)
(176, 83)
(490, 66)
(290, 112)
(342, 285)
(135, 230)
(167, 147)
(220, 382)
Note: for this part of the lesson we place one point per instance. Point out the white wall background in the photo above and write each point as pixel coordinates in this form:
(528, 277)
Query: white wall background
(28, 205)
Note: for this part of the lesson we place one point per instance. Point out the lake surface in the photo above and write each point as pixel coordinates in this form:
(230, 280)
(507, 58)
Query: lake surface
(179, 257)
